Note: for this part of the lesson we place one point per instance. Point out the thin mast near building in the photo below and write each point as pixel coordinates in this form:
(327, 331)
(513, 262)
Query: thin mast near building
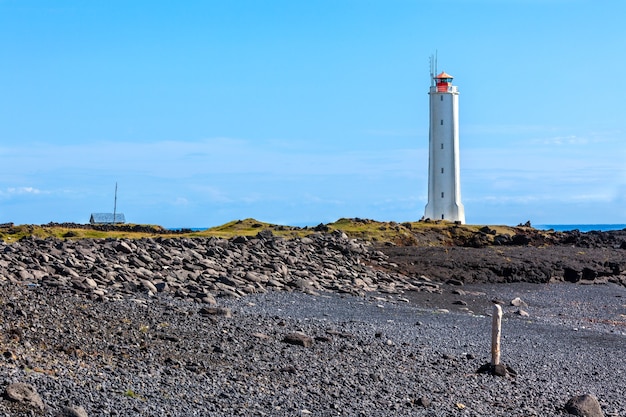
(115, 204)
(444, 179)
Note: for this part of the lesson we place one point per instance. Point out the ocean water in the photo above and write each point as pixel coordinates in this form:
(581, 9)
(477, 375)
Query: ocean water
(580, 227)
(557, 227)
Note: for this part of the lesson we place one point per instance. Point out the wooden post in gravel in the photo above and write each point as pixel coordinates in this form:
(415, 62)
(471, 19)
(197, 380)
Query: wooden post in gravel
(496, 330)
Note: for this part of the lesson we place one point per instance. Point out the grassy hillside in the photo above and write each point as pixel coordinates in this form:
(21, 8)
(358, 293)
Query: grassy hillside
(408, 233)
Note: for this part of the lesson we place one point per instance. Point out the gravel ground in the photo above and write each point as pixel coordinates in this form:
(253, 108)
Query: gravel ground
(381, 355)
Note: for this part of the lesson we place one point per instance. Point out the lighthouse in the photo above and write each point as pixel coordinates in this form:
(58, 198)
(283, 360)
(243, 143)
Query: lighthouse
(444, 177)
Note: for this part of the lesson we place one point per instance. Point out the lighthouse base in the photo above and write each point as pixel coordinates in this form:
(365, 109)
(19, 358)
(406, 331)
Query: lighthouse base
(454, 212)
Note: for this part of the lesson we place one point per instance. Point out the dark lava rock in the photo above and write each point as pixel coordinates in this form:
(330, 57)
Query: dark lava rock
(502, 240)
(497, 370)
(423, 402)
(521, 240)
(265, 234)
(571, 275)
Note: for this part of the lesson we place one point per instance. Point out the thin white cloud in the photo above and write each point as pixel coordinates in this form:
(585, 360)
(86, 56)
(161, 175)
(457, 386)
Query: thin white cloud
(181, 201)
(539, 198)
(395, 132)
(11, 191)
(316, 199)
(213, 194)
(563, 140)
(223, 156)
(504, 129)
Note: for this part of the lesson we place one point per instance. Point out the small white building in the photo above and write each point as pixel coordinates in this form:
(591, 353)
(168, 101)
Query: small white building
(107, 218)
(444, 178)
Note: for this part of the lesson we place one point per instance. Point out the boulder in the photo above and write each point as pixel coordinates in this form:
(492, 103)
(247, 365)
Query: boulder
(585, 405)
(571, 274)
(521, 240)
(123, 247)
(149, 286)
(265, 234)
(501, 240)
(25, 394)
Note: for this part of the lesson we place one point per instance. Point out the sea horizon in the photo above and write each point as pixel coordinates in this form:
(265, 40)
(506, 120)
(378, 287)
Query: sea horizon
(556, 227)
(581, 227)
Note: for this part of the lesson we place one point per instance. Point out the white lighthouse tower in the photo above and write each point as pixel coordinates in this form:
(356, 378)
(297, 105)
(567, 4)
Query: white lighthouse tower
(444, 179)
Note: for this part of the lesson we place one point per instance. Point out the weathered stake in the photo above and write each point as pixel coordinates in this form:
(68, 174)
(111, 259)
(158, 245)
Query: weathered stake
(496, 330)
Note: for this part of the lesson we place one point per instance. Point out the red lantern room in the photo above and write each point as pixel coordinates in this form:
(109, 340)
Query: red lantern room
(443, 82)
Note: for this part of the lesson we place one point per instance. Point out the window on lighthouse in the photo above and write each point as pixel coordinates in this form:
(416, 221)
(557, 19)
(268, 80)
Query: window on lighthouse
(442, 170)
(442, 194)
(441, 122)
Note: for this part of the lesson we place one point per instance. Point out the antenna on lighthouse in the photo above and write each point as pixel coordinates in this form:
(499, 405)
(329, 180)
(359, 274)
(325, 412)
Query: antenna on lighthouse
(433, 68)
(115, 205)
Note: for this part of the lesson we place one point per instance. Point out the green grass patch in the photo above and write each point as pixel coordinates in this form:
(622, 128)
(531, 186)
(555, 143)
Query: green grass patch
(406, 233)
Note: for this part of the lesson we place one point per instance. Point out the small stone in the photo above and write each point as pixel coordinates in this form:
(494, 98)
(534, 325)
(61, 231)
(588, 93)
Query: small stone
(290, 369)
(299, 339)
(517, 302)
(460, 303)
(424, 402)
(73, 411)
(216, 311)
(499, 370)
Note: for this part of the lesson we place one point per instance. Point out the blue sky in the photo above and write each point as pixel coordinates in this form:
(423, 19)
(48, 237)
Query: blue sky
(301, 112)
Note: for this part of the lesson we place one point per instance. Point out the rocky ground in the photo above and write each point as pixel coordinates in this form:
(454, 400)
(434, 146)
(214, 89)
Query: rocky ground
(323, 325)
